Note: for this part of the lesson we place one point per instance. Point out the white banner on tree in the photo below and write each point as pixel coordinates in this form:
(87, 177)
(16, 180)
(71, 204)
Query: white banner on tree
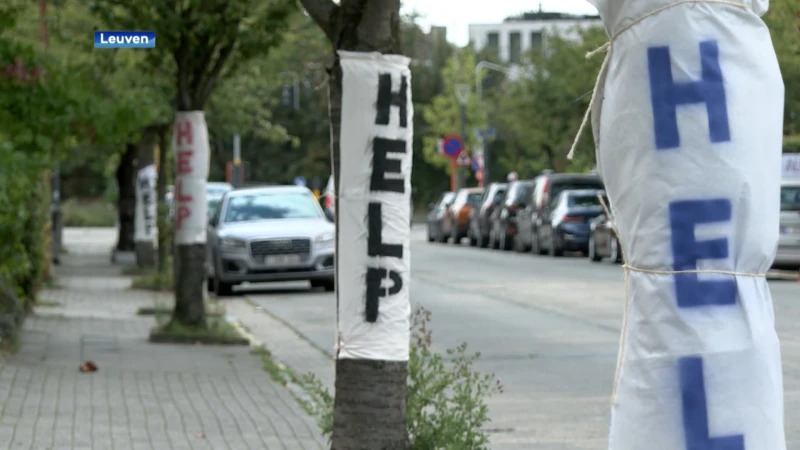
(145, 228)
(190, 140)
(373, 260)
(688, 122)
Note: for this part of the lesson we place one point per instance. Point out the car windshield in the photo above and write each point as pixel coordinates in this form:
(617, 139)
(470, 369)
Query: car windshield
(583, 201)
(270, 206)
(790, 198)
(558, 188)
(448, 198)
(474, 198)
(213, 200)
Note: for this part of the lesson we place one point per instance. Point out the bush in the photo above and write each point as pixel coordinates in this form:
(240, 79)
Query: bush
(791, 144)
(446, 408)
(88, 213)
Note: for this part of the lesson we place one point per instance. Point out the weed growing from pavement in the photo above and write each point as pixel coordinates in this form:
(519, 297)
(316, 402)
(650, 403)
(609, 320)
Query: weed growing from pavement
(446, 400)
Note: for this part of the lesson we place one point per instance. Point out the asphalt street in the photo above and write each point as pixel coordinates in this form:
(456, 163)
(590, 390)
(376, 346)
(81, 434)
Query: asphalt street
(547, 327)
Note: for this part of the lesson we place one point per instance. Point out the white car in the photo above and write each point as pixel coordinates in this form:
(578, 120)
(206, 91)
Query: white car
(789, 239)
(274, 233)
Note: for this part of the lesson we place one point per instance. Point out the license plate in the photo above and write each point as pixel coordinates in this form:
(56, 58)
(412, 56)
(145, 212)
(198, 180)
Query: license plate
(790, 230)
(282, 260)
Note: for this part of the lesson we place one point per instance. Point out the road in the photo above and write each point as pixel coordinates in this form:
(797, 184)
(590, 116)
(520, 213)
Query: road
(547, 327)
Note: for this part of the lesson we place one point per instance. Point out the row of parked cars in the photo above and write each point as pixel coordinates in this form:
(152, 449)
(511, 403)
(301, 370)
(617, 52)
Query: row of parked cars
(556, 213)
(551, 214)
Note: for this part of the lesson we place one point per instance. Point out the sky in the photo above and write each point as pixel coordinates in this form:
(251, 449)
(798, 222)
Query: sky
(456, 15)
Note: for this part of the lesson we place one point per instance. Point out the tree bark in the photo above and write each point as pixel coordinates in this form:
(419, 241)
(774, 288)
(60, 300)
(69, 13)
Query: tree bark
(371, 395)
(126, 203)
(161, 192)
(145, 250)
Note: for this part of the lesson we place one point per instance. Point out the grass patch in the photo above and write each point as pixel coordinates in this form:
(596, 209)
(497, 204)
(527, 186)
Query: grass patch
(155, 281)
(213, 309)
(9, 346)
(218, 331)
(47, 304)
(88, 213)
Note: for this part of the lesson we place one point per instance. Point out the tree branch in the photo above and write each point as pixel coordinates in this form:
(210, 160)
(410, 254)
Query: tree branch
(323, 12)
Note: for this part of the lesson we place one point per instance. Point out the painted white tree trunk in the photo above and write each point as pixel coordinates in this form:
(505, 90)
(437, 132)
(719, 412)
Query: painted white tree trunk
(688, 122)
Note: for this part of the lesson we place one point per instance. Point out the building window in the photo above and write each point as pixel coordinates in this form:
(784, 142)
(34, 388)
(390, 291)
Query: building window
(536, 41)
(493, 42)
(514, 47)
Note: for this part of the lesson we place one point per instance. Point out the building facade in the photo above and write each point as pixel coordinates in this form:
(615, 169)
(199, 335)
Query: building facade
(512, 39)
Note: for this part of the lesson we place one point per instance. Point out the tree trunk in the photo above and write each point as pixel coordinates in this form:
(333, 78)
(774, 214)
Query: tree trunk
(126, 204)
(371, 395)
(145, 248)
(161, 192)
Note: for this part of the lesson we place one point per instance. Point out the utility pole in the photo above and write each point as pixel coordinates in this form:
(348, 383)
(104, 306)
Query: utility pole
(236, 169)
(479, 91)
(462, 95)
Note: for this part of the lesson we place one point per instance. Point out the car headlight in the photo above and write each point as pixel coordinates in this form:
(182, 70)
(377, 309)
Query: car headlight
(233, 243)
(325, 238)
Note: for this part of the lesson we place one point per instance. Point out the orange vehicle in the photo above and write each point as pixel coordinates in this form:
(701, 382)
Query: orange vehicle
(455, 222)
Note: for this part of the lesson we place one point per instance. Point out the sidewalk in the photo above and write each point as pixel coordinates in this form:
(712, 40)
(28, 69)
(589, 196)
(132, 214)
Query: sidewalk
(144, 396)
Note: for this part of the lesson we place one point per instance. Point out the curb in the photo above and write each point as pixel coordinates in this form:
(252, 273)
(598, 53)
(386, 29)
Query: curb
(297, 390)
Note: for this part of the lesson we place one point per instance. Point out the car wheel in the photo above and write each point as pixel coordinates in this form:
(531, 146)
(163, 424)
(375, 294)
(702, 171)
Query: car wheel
(210, 284)
(456, 239)
(440, 237)
(505, 245)
(222, 289)
(554, 248)
(328, 285)
(615, 254)
(593, 250)
(430, 236)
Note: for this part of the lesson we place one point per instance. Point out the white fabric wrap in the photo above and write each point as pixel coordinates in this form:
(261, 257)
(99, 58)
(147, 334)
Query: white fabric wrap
(145, 229)
(386, 338)
(190, 141)
(701, 366)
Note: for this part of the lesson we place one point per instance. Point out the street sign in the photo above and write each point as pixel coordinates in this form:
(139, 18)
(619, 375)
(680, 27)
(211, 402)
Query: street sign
(490, 133)
(299, 181)
(452, 146)
(463, 159)
(476, 165)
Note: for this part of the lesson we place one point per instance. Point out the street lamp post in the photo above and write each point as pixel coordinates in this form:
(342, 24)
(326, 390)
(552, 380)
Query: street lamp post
(479, 91)
(462, 95)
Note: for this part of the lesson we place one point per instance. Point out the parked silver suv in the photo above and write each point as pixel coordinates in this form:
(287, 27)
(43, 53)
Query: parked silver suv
(275, 233)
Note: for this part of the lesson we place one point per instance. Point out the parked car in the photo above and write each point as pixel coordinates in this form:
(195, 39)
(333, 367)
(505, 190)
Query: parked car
(603, 239)
(547, 186)
(455, 223)
(564, 224)
(504, 218)
(275, 233)
(436, 215)
(788, 253)
(480, 217)
(214, 193)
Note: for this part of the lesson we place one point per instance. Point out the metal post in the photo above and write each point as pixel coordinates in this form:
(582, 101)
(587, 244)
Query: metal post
(479, 91)
(296, 86)
(236, 170)
(462, 110)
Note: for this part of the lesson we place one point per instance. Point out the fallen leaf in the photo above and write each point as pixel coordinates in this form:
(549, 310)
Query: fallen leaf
(88, 366)
(201, 435)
